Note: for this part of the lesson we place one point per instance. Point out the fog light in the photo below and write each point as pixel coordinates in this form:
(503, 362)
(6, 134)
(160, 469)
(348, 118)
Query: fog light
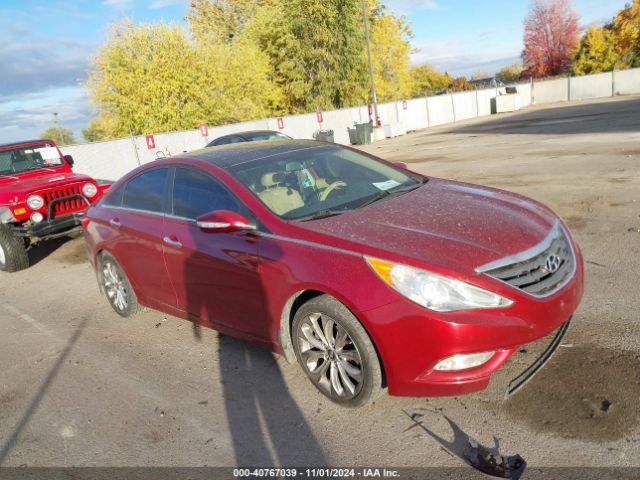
(462, 362)
(37, 217)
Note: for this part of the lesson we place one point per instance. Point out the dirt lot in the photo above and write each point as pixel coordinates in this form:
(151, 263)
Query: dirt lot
(81, 386)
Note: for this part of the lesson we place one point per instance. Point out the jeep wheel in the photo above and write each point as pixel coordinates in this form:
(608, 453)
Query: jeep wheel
(13, 253)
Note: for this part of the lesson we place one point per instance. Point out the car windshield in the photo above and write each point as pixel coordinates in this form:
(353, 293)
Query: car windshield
(23, 159)
(318, 182)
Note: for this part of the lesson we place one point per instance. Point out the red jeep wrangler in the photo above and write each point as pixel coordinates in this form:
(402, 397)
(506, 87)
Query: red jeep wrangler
(40, 198)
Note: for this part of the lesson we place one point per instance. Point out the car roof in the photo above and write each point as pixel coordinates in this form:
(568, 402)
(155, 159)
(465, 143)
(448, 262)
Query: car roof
(25, 142)
(227, 156)
(248, 133)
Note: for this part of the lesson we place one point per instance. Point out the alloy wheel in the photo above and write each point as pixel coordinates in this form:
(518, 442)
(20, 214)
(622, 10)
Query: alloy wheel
(330, 356)
(114, 286)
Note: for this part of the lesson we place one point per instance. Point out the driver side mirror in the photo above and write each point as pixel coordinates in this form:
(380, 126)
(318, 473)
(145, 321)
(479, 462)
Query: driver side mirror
(224, 221)
(69, 160)
(401, 165)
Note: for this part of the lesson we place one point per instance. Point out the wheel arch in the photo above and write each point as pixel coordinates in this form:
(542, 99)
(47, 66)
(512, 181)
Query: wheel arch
(289, 311)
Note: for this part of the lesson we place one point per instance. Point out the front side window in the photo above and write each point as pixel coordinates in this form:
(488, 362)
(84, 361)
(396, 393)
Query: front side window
(146, 191)
(267, 136)
(24, 159)
(322, 181)
(196, 193)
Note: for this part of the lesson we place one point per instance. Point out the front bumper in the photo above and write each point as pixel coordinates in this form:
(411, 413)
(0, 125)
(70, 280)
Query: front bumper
(56, 227)
(412, 340)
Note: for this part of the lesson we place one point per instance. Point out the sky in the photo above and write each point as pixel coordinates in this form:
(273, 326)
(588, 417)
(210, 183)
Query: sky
(46, 46)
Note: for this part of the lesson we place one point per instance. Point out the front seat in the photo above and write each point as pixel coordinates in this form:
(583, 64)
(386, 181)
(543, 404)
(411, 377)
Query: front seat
(279, 198)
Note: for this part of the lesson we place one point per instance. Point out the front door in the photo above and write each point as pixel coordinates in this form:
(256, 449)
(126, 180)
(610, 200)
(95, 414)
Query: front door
(214, 275)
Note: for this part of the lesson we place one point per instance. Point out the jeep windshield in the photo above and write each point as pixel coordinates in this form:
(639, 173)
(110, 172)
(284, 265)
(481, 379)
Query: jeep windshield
(319, 182)
(24, 159)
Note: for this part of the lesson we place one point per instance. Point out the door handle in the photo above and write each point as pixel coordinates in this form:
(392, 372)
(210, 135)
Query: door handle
(173, 243)
(114, 222)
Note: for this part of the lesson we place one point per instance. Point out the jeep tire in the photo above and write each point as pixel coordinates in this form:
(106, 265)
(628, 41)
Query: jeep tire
(13, 251)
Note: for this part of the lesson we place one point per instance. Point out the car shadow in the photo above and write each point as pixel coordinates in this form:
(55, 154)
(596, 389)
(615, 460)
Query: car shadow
(44, 249)
(266, 425)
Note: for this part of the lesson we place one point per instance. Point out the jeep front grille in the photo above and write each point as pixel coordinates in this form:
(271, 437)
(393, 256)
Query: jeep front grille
(66, 205)
(541, 270)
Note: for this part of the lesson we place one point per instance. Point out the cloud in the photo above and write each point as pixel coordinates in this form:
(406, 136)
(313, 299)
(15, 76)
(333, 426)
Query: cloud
(165, 3)
(119, 4)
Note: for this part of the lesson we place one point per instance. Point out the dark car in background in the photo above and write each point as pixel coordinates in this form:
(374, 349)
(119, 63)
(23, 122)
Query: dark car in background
(253, 136)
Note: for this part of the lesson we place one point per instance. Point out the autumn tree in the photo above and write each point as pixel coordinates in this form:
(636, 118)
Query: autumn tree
(151, 78)
(426, 81)
(551, 37)
(597, 52)
(626, 29)
(510, 73)
(61, 136)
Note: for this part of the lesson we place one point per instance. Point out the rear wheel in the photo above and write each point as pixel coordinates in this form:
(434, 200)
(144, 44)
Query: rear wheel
(336, 352)
(117, 288)
(13, 251)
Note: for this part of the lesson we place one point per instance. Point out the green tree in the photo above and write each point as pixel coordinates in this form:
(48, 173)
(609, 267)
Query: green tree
(61, 136)
(94, 132)
(151, 78)
(510, 73)
(626, 27)
(427, 81)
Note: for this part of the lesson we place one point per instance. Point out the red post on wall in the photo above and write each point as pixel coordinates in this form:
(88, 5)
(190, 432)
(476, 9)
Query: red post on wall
(405, 105)
(151, 142)
(204, 129)
(320, 118)
(280, 123)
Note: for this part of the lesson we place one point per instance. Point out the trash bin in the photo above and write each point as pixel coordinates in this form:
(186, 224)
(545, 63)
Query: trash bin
(364, 133)
(324, 136)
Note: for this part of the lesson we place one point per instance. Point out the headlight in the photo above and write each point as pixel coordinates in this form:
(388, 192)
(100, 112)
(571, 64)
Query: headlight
(89, 190)
(35, 202)
(434, 291)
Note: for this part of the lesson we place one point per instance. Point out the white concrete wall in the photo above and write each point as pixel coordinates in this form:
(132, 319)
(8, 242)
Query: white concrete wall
(440, 110)
(112, 159)
(550, 91)
(626, 82)
(591, 86)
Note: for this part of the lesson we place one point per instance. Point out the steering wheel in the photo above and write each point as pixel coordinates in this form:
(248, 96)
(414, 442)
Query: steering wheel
(330, 189)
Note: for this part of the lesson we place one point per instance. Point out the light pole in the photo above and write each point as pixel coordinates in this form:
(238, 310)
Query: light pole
(374, 94)
(57, 127)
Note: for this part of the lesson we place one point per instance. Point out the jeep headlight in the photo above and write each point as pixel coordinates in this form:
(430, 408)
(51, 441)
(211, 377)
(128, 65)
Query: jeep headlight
(433, 291)
(89, 190)
(35, 202)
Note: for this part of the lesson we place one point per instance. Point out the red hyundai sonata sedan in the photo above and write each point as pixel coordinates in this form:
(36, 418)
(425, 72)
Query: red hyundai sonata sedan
(371, 276)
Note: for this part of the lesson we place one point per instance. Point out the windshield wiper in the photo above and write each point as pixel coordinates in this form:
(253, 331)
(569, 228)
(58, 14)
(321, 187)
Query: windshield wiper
(389, 193)
(321, 214)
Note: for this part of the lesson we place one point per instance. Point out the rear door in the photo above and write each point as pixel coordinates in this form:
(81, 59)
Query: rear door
(214, 274)
(136, 225)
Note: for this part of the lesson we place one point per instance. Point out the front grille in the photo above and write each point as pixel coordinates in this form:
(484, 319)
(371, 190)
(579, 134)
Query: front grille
(541, 270)
(66, 205)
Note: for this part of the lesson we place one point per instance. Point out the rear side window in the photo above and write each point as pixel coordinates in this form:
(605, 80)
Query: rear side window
(196, 193)
(146, 191)
(114, 199)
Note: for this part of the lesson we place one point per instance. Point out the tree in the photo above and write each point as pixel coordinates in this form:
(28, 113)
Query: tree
(151, 78)
(551, 37)
(61, 136)
(510, 73)
(390, 36)
(427, 81)
(461, 84)
(626, 27)
(597, 52)
(480, 74)
(94, 132)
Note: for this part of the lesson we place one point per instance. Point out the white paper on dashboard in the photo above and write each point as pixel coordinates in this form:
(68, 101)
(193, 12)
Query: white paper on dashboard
(48, 153)
(388, 185)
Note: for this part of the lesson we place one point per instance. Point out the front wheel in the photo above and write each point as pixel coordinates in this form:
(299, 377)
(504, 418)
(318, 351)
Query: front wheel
(336, 352)
(13, 251)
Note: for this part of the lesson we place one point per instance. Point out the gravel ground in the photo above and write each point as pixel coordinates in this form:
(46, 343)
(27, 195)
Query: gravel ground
(81, 386)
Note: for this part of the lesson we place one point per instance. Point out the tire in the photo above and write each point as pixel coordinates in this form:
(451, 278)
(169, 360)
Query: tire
(117, 288)
(345, 369)
(13, 252)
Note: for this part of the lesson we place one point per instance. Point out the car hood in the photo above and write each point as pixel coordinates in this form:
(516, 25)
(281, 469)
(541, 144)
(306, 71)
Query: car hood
(32, 181)
(448, 224)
